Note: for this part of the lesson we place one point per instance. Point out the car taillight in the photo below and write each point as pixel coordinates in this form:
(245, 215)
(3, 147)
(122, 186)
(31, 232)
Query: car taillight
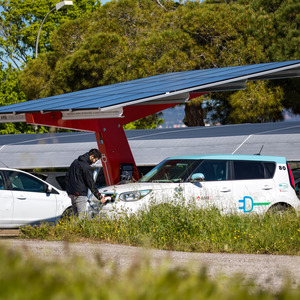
(291, 176)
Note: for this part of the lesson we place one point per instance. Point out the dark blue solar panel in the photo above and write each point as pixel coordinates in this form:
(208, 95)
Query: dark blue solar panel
(159, 86)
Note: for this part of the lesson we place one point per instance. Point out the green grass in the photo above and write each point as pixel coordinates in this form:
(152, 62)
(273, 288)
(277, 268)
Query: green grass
(183, 229)
(24, 277)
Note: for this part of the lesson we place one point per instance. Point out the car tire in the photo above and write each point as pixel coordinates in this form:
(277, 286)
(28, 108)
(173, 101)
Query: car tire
(281, 210)
(67, 214)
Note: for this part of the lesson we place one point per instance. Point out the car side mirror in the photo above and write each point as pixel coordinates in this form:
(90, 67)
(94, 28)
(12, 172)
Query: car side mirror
(49, 189)
(197, 177)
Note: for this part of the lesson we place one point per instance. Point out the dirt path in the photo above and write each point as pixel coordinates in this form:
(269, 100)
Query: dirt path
(267, 271)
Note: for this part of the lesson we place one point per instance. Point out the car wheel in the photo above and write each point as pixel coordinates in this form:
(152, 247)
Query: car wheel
(67, 214)
(281, 210)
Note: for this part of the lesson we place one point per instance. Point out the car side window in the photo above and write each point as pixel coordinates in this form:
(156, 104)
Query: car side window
(270, 167)
(2, 185)
(23, 182)
(213, 170)
(252, 170)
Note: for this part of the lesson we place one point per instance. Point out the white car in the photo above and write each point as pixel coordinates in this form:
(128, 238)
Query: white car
(232, 183)
(26, 199)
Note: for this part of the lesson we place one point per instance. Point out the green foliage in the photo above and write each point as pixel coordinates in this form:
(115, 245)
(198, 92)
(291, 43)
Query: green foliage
(149, 122)
(285, 16)
(34, 279)
(267, 103)
(224, 34)
(20, 21)
(11, 93)
(184, 228)
(283, 42)
(129, 39)
(260, 102)
(10, 90)
(89, 45)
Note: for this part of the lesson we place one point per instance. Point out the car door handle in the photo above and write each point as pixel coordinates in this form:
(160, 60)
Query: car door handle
(225, 190)
(21, 197)
(267, 187)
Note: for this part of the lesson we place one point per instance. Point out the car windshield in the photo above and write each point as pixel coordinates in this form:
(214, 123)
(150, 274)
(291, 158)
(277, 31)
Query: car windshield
(173, 170)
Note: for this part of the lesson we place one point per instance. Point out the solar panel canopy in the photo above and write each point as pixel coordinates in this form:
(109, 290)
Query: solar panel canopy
(108, 101)
(103, 110)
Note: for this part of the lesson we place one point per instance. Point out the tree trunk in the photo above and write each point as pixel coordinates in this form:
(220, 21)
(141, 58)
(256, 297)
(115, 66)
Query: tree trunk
(194, 114)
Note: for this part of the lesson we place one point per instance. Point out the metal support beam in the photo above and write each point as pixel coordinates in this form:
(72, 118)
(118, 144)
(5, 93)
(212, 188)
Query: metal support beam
(115, 150)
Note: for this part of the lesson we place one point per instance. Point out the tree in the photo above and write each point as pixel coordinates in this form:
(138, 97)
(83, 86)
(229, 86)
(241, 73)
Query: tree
(149, 122)
(19, 24)
(20, 21)
(225, 35)
(194, 113)
(129, 39)
(258, 103)
(284, 43)
(87, 56)
(10, 93)
(270, 30)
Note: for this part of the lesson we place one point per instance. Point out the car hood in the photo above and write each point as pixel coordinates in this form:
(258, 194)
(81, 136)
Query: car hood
(138, 186)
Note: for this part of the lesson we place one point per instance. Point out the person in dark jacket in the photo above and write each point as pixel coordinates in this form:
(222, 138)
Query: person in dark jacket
(79, 179)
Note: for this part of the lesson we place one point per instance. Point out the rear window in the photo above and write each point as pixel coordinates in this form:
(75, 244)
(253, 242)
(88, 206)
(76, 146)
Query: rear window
(253, 170)
(270, 168)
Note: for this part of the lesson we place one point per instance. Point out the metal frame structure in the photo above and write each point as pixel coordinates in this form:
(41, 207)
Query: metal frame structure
(104, 110)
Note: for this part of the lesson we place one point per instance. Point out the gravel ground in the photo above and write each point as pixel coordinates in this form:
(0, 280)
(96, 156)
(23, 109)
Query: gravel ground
(267, 271)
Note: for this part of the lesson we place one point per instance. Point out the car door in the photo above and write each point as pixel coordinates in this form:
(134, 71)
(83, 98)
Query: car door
(214, 189)
(253, 185)
(32, 203)
(6, 202)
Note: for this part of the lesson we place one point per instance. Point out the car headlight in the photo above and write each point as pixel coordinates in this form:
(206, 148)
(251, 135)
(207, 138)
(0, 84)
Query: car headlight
(133, 195)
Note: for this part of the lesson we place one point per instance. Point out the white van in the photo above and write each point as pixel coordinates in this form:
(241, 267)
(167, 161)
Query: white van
(232, 183)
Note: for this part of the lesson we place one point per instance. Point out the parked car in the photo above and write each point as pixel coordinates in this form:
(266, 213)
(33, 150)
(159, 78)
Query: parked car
(232, 183)
(296, 173)
(57, 179)
(297, 187)
(26, 199)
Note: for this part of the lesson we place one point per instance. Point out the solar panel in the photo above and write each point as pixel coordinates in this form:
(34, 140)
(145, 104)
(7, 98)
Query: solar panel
(154, 88)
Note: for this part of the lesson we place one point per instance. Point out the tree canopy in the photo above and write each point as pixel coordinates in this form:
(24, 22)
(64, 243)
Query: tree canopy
(90, 45)
(20, 21)
(10, 93)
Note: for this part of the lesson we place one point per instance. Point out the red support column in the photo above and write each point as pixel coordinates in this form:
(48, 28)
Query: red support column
(114, 147)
